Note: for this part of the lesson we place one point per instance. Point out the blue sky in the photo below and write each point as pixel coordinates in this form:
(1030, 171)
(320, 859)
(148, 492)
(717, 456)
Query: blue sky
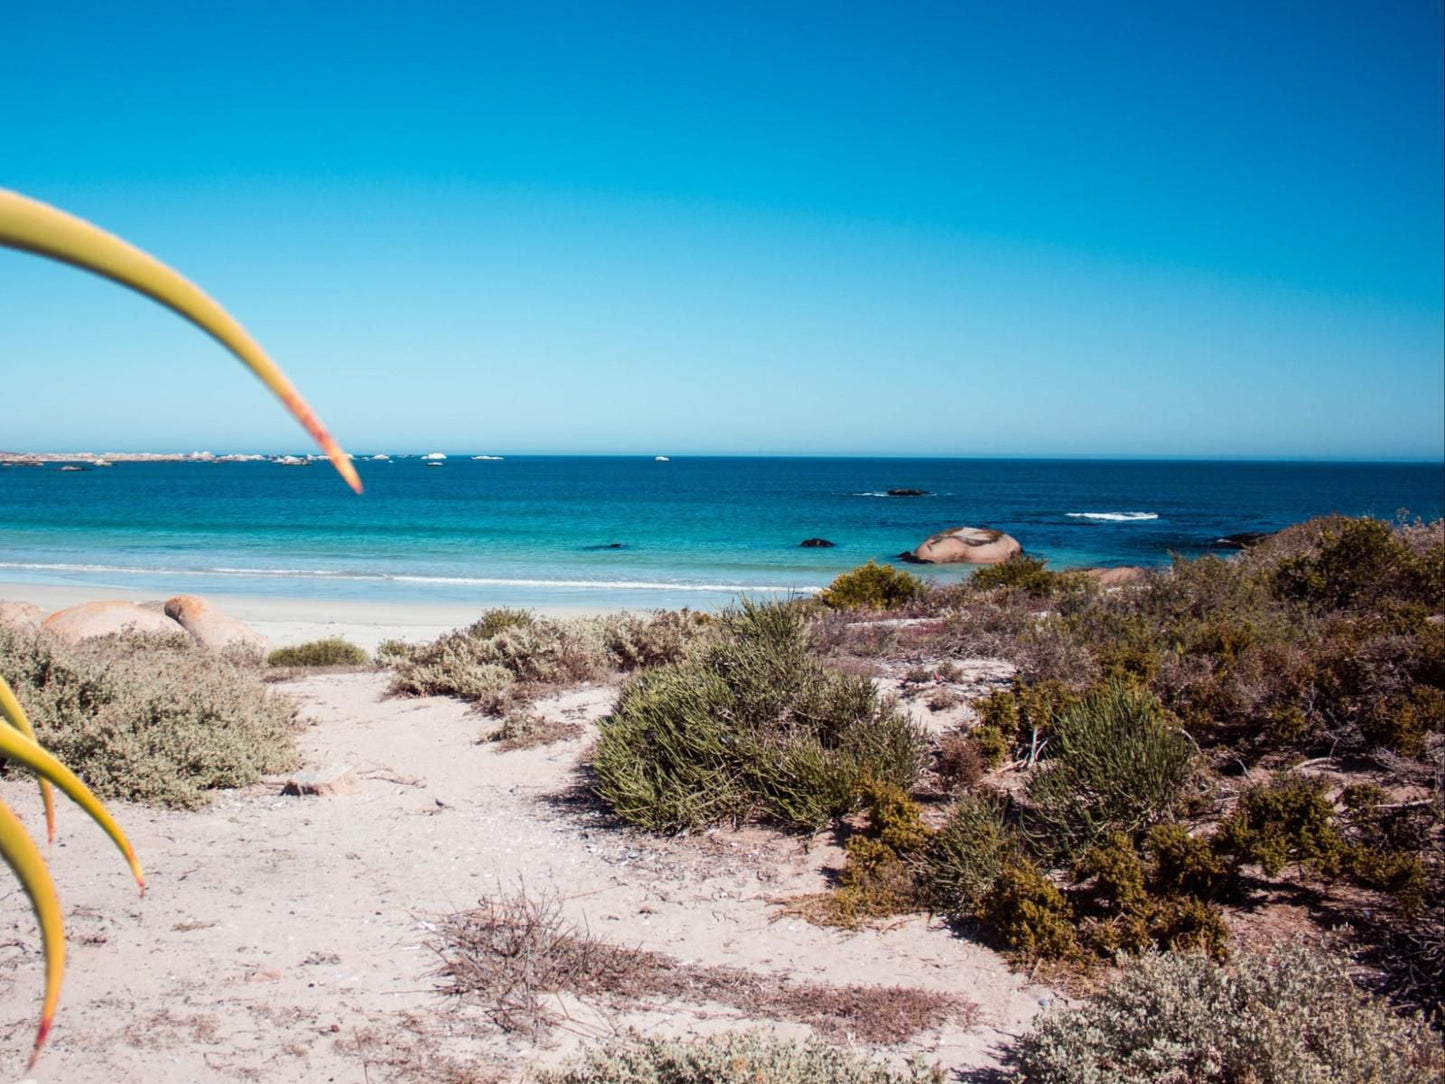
(944, 229)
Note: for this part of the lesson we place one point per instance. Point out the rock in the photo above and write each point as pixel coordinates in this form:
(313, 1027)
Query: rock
(210, 627)
(1114, 577)
(323, 780)
(1241, 540)
(20, 616)
(968, 545)
(908, 492)
(606, 546)
(91, 619)
(817, 543)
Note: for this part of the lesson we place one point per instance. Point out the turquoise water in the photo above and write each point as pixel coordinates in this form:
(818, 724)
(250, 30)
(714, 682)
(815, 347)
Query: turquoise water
(689, 532)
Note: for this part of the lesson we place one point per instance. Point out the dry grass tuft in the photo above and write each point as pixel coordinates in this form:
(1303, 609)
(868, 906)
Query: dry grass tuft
(517, 953)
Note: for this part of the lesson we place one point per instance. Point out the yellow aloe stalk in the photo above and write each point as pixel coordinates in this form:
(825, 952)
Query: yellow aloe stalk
(31, 226)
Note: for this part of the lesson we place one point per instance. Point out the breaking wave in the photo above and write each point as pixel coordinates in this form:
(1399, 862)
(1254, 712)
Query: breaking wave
(1115, 517)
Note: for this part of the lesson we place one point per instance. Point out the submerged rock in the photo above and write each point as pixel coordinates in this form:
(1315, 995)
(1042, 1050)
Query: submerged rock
(817, 543)
(1241, 540)
(967, 545)
(908, 493)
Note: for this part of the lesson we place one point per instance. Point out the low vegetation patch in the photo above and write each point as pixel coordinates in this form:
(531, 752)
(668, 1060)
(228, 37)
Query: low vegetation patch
(752, 727)
(155, 719)
(751, 1057)
(329, 652)
(508, 657)
(1292, 1017)
(516, 953)
(523, 729)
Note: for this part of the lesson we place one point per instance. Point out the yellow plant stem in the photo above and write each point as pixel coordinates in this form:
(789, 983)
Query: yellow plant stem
(22, 856)
(16, 717)
(36, 227)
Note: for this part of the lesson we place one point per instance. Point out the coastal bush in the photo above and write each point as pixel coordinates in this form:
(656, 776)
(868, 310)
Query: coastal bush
(1290, 1017)
(750, 1057)
(154, 719)
(508, 656)
(753, 726)
(966, 856)
(1115, 763)
(330, 652)
(871, 587)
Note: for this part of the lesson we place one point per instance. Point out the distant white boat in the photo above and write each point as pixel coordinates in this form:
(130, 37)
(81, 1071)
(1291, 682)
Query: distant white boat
(435, 456)
(661, 459)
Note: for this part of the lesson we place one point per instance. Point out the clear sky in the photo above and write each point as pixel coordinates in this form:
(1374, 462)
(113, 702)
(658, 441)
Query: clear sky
(886, 228)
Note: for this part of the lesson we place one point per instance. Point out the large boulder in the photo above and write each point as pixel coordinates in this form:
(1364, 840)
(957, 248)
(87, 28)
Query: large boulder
(967, 545)
(1114, 577)
(20, 616)
(212, 628)
(91, 619)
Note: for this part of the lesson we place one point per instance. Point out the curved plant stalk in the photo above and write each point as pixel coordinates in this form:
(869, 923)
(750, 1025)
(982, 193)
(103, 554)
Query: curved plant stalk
(32, 226)
(36, 227)
(23, 857)
(15, 715)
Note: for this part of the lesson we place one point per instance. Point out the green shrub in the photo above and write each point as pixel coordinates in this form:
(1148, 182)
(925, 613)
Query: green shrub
(1115, 763)
(507, 656)
(1290, 1018)
(1029, 913)
(154, 719)
(330, 652)
(1022, 573)
(966, 856)
(872, 587)
(753, 1057)
(1287, 820)
(753, 726)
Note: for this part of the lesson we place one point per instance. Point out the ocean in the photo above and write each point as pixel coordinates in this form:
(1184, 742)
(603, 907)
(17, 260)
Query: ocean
(630, 532)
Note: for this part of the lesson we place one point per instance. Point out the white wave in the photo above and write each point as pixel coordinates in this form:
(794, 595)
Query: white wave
(479, 581)
(1115, 517)
(870, 493)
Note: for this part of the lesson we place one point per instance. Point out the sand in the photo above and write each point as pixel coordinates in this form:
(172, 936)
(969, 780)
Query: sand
(290, 939)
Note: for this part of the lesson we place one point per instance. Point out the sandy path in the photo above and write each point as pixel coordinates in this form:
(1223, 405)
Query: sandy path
(279, 930)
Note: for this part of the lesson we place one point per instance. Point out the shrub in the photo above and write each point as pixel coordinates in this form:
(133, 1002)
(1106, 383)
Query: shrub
(871, 587)
(966, 856)
(1293, 1017)
(1115, 764)
(753, 1057)
(508, 655)
(155, 719)
(752, 726)
(1029, 913)
(960, 763)
(330, 652)
(1287, 820)
(1023, 573)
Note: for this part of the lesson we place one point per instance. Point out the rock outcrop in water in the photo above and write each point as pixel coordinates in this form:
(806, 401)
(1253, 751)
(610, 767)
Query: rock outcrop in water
(965, 545)
(817, 544)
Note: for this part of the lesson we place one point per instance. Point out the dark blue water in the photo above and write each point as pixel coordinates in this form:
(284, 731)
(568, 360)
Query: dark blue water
(693, 531)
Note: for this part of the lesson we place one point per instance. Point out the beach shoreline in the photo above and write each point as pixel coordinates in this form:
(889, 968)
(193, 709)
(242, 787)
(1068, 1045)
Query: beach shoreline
(288, 621)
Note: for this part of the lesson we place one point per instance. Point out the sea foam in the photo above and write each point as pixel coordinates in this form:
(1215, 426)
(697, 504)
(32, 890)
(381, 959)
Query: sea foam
(1115, 517)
